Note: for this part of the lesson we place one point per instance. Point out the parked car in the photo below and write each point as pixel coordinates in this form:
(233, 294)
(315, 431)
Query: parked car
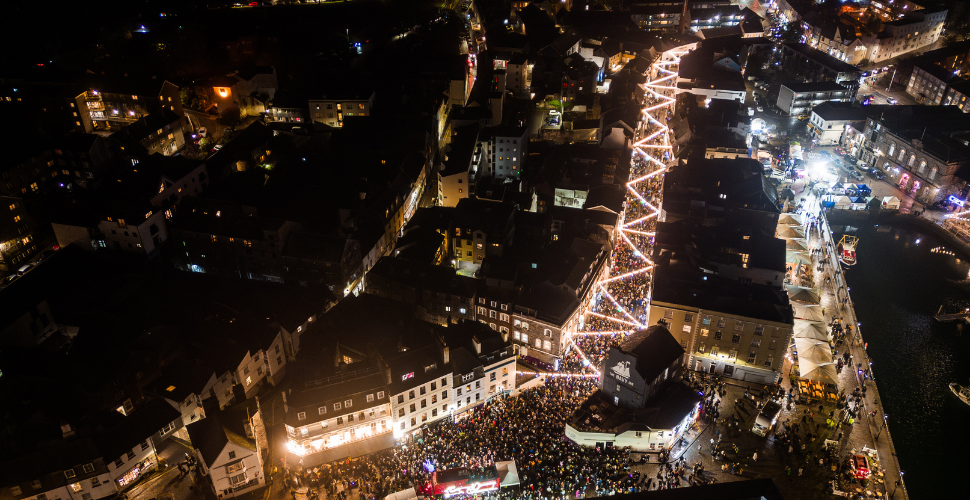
(854, 174)
(877, 174)
(25, 268)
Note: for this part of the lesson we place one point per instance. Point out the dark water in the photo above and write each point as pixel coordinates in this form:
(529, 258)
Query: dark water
(898, 285)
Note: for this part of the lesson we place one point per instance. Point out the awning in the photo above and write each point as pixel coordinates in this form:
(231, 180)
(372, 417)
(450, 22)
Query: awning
(808, 312)
(803, 294)
(813, 350)
(790, 220)
(790, 232)
(796, 257)
(814, 330)
(797, 244)
(825, 373)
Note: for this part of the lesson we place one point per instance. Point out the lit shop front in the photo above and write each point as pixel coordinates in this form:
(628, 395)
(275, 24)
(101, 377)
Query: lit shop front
(135, 472)
(467, 481)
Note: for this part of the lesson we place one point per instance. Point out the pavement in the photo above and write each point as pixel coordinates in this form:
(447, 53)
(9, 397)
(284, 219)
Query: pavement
(884, 188)
(836, 301)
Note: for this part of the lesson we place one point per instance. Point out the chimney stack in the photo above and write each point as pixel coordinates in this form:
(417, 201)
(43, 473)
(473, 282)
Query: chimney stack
(66, 429)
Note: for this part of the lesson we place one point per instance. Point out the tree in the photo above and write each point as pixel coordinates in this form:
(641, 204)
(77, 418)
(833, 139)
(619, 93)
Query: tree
(230, 117)
(205, 142)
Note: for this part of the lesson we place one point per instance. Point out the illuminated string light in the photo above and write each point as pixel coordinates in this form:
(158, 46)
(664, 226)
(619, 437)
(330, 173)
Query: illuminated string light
(658, 140)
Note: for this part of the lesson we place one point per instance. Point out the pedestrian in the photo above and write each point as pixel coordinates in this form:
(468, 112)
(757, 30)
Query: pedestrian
(800, 471)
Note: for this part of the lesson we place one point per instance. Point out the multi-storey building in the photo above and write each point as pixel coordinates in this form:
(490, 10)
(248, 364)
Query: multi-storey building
(830, 121)
(929, 83)
(956, 95)
(642, 403)
(463, 157)
(732, 329)
(156, 133)
(813, 65)
(111, 106)
(230, 446)
(914, 31)
(798, 99)
(323, 260)
(921, 149)
(325, 415)
(331, 108)
(83, 158)
(561, 292)
(131, 213)
(226, 239)
(503, 149)
(16, 236)
(518, 73)
(442, 296)
(287, 107)
(480, 229)
(420, 383)
(659, 17)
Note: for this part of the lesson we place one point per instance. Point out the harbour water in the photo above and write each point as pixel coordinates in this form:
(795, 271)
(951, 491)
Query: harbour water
(901, 280)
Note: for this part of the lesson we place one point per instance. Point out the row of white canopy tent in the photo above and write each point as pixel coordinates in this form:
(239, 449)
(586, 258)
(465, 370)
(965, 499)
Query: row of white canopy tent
(815, 361)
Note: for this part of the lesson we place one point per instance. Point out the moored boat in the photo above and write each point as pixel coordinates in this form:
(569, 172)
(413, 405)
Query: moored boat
(961, 392)
(846, 250)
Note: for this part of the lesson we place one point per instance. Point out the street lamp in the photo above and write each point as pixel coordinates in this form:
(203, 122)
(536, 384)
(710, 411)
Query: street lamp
(885, 420)
(898, 483)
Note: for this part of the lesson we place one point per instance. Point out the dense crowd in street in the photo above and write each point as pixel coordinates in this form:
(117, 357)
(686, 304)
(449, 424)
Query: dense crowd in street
(528, 429)
(628, 295)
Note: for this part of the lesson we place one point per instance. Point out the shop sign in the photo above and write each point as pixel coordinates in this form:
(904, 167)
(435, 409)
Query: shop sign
(135, 471)
(956, 201)
(472, 489)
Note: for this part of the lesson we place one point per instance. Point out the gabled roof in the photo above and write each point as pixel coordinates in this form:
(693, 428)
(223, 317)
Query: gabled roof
(219, 428)
(655, 349)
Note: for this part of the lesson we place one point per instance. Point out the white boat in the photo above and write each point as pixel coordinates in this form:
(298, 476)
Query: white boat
(846, 250)
(961, 392)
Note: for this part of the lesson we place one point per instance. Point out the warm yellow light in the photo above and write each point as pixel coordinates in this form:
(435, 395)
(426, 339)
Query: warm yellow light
(222, 91)
(170, 388)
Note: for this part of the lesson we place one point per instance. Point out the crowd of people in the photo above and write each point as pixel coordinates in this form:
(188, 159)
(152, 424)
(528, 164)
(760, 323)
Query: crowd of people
(628, 289)
(528, 429)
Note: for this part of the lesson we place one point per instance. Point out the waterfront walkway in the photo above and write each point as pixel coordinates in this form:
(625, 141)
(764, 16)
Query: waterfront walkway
(871, 427)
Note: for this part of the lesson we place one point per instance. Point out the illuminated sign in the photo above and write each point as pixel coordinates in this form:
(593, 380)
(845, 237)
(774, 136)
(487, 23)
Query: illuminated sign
(956, 201)
(472, 489)
(135, 471)
(622, 371)
(407, 376)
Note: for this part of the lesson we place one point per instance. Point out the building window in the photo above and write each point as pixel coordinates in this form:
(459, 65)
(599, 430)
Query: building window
(751, 357)
(89, 468)
(337, 406)
(348, 403)
(735, 339)
(322, 410)
(301, 415)
(759, 330)
(688, 317)
(380, 394)
(756, 343)
(768, 360)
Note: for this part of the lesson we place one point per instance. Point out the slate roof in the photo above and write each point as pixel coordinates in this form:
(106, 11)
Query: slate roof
(655, 349)
(220, 427)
